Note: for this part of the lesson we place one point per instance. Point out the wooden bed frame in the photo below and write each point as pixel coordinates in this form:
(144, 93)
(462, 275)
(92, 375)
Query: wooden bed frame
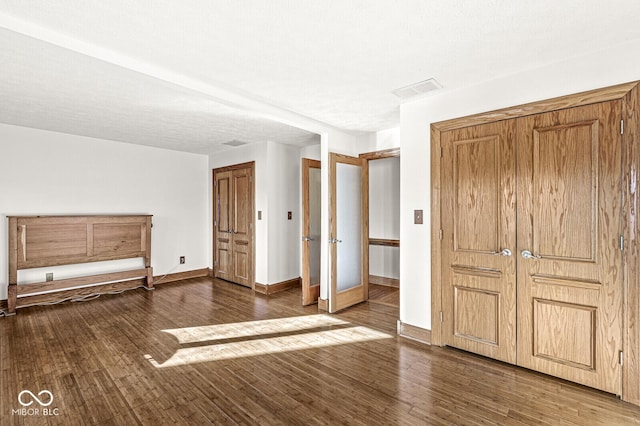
(41, 241)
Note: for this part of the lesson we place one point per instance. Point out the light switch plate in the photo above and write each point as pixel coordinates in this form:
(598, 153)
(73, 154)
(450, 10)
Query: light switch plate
(289, 216)
(417, 217)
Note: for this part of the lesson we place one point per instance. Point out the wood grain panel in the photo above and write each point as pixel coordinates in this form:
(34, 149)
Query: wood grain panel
(223, 206)
(476, 180)
(566, 169)
(117, 239)
(565, 333)
(477, 315)
(43, 242)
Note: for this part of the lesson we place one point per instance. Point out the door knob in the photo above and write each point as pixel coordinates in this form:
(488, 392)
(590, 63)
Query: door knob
(504, 252)
(334, 240)
(307, 238)
(528, 255)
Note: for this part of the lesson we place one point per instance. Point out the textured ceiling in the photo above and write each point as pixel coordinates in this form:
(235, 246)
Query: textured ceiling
(333, 61)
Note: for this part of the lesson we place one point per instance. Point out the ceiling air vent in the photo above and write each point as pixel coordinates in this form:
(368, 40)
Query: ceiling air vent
(419, 88)
(234, 142)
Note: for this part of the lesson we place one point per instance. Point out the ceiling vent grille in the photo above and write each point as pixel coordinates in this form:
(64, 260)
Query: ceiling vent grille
(416, 89)
(234, 142)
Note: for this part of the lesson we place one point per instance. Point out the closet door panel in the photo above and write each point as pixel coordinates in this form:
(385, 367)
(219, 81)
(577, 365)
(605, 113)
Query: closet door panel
(223, 230)
(569, 220)
(479, 293)
(242, 232)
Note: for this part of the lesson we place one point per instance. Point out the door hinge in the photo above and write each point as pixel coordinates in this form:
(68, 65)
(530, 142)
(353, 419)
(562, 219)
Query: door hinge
(620, 357)
(215, 263)
(440, 235)
(621, 242)
(250, 179)
(441, 152)
(622, 127)
(441, 317)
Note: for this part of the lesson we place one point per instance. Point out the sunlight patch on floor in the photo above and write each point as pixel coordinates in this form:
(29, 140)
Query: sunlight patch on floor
(270, 345)
(252, 328)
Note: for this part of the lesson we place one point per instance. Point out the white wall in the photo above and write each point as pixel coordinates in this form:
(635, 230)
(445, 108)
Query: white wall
(384, 215)
(44, 172)
(284, 196)
(600, 69)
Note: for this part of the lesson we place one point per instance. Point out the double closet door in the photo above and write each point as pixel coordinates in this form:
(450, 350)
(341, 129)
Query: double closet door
(531, 258)
(233, 224)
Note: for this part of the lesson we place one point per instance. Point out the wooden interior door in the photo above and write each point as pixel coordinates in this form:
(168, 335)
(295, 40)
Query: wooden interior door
(348, 231)
(479, 239)
(242, 196)
(569, 258)
(233, 224)
(223, 236)
(311, 223)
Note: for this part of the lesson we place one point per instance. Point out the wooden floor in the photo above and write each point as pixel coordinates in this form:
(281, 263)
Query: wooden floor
(384, 295)
(207, 352)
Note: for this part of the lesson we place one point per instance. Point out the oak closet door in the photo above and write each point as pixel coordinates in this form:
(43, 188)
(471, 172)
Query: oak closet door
(478, 239)
(569, 260)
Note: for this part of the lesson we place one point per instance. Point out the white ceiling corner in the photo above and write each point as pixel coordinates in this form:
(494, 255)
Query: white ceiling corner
(192, 75)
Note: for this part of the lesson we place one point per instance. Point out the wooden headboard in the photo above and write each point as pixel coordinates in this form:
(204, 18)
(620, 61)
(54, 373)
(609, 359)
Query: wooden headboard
(40, 241)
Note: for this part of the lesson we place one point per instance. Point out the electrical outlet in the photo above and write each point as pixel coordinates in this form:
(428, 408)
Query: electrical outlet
(49, 276)
(182, 260)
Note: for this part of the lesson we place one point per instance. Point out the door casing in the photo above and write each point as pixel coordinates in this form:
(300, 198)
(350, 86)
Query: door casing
(310, 293)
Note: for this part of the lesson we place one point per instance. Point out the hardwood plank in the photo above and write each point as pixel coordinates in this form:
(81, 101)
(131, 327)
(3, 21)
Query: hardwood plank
(102, 360)
(384, 242)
